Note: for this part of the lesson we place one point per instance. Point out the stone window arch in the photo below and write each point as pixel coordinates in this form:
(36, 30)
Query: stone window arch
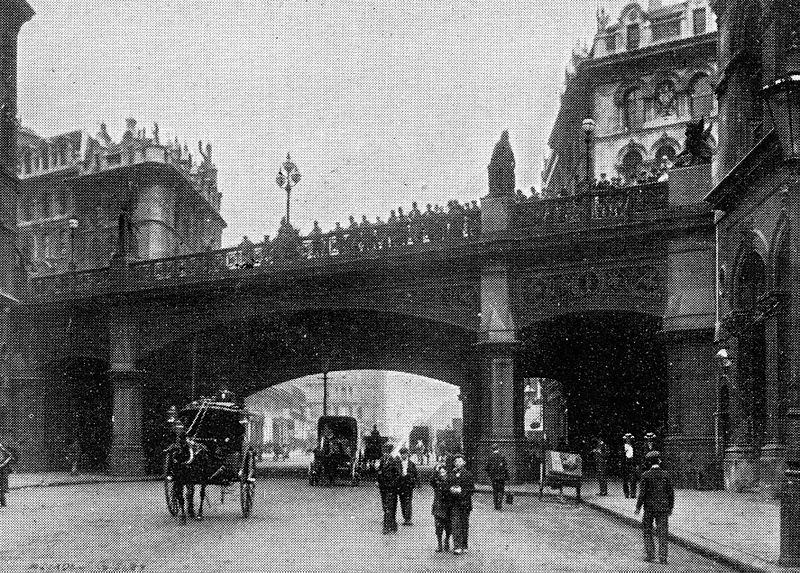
(701, 96)
(751, 286)
(783, 287)
(665, 154)
(633, 116)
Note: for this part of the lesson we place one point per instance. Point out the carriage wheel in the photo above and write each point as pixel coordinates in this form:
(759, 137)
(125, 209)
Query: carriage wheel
(246, 491)
(169, 492)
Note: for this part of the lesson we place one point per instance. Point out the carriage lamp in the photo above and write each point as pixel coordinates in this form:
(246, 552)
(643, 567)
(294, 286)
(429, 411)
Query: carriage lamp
(782, 97)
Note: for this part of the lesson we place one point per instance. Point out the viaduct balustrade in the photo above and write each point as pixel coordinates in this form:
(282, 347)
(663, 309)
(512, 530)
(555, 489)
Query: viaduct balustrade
(597, 208)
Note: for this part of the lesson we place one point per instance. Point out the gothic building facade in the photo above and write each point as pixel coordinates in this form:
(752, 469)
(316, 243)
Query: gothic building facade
(758, 213)
(74, 186)
(646, 75)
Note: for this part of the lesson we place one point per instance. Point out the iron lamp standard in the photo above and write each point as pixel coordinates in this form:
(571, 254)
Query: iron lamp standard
(73, 226)
(589, 126)
(782, 97)
(288, 176)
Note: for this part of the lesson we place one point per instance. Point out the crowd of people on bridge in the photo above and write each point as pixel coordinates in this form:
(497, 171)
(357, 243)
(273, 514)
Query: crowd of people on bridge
(434, 224)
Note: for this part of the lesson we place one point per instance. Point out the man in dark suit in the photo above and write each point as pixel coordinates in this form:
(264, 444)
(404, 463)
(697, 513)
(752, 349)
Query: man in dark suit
(461, 485)
(600, 452)
(657, 496)
(497, 469)
(388, 483)
(407, 482)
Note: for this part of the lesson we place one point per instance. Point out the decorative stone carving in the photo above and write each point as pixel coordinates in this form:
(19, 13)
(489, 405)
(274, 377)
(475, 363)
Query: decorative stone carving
(698, 148)
(641, 281)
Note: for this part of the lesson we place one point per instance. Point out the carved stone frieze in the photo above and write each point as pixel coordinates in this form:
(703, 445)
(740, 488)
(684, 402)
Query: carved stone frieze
(641, 281)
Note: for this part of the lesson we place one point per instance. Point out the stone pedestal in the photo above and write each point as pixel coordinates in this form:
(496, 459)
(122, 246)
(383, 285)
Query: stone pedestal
(502, 404)
(771, 470)
(127, 454)
(740, 467)
(790, 519)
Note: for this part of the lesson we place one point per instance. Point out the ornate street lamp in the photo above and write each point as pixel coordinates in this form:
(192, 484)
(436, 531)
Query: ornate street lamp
(588, 126)
(288, 176)
(782, 97)
(73, 226)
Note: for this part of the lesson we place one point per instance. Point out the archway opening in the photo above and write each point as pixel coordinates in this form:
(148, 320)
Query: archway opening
(247, 357)
(606, 374)
(82, 426)
(420, 413)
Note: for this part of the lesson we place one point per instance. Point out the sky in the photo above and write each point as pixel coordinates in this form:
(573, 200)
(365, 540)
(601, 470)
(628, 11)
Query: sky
(380, 103)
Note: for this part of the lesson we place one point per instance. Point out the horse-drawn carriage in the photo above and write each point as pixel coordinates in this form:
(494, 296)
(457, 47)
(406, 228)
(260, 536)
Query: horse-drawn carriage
(373, 451)
(211, 449)
(337, 453)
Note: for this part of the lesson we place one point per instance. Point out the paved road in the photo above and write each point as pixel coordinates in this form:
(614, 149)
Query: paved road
(296, 527)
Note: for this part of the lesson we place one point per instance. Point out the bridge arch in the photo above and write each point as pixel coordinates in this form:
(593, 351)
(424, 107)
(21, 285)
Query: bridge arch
(266, 350)
(612, 371)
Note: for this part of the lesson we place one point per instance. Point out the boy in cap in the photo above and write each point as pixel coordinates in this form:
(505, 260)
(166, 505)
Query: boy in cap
(657, 496)
(408, 481)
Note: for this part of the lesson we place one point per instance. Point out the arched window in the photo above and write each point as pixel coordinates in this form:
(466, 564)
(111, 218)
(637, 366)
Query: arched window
(783, 285)
(45, 158)
(633, 109)
(701, 97)
(631, 164)
(27, 162)
(752, 344)
(665, 154)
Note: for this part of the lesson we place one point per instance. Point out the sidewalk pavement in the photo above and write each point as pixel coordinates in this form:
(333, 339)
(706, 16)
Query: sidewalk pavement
(740, 530)
(24, 480)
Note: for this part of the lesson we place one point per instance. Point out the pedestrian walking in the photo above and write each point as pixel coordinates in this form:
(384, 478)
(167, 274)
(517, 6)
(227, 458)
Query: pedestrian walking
(628, 467)
(388, 483)
(6, 464)
(441, 508)
(497, 469)
(461, 485)
(600, 452)
(407, 482)
(657, 496)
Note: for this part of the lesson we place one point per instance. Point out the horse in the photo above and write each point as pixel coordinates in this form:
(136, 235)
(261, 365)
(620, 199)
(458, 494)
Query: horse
(188, 463)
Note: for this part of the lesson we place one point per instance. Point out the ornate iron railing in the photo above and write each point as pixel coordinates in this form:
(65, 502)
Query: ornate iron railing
(595, 208)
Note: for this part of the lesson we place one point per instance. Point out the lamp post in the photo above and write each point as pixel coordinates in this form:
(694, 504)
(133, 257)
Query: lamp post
(288, 176)
(73, 225)
(588, 126)
(782, 97)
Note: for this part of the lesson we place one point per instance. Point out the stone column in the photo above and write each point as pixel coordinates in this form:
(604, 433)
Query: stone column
(127, 453)
(502, 398)
(690, 442)
(740, 460)
(772, 462)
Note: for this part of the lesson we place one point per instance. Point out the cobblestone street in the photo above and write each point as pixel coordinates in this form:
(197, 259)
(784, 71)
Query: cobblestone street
(296, 527)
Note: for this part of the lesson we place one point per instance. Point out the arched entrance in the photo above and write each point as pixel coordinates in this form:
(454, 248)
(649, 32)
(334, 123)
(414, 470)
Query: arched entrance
(611, 375)
(264, 351)
(81, 412)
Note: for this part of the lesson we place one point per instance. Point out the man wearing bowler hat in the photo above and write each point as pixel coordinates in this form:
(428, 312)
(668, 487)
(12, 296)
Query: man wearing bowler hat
(657, 496)
(497, 469)
(388, 483)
